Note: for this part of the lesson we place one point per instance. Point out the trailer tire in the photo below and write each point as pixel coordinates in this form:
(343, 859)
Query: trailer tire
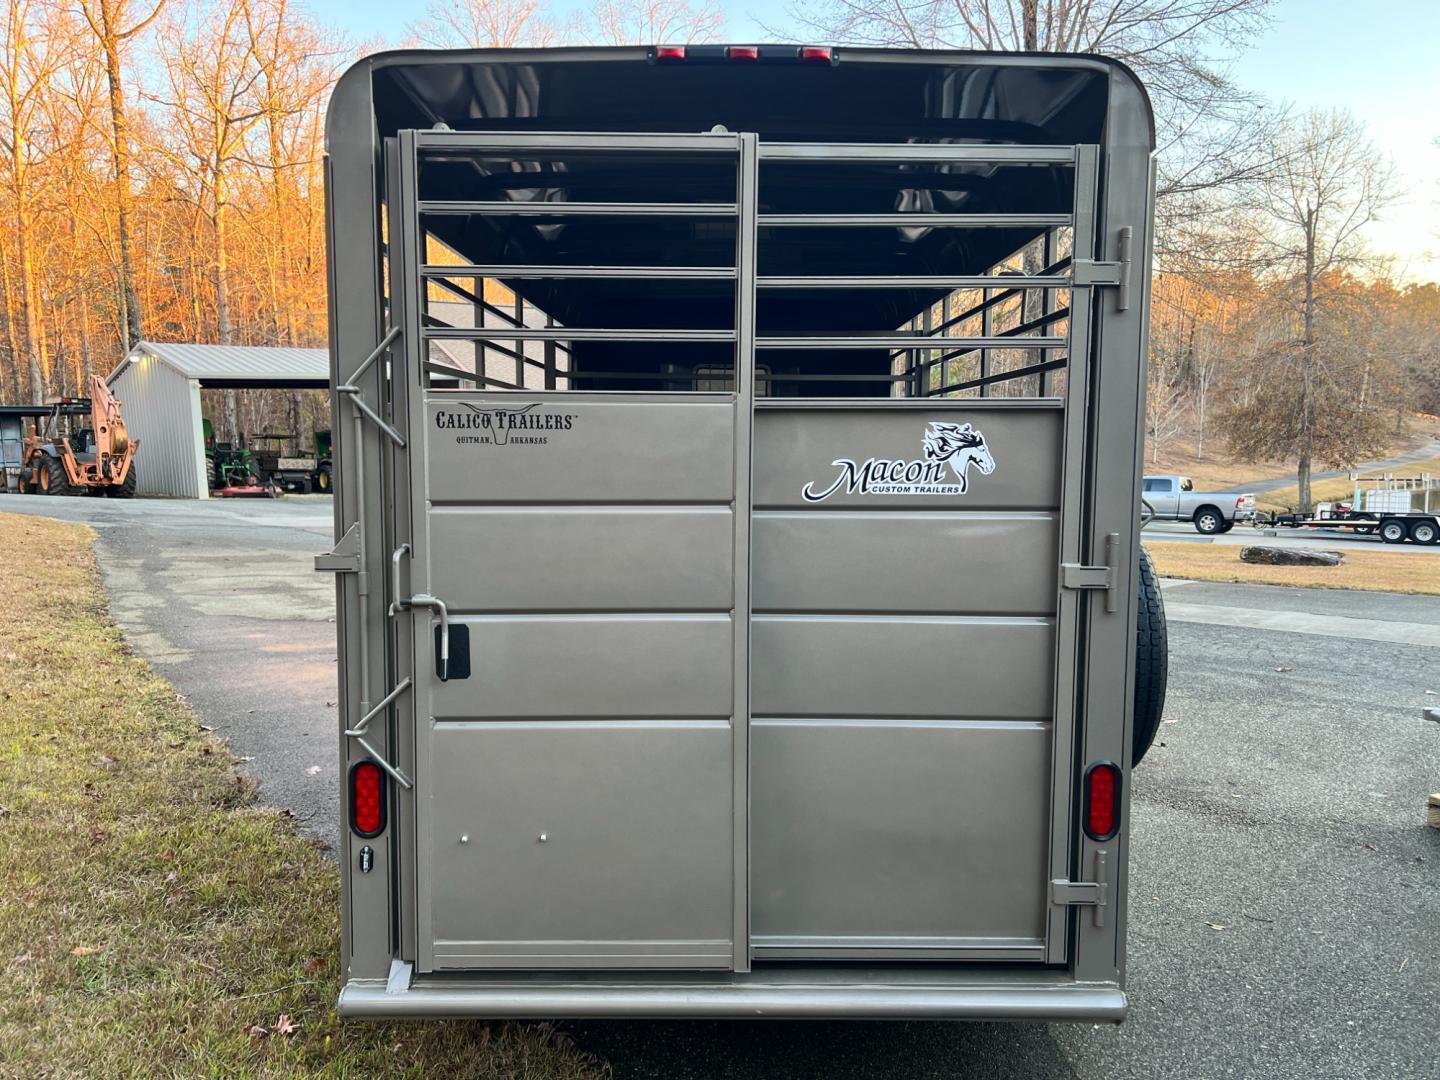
(1425, 531)
(1364, 530)
(1393, 531)
(1209, 521)
(1152, 659)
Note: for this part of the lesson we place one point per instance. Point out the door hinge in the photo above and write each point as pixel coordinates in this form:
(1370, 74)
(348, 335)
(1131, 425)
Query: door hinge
(344, 557)
(1065, 892)
(1081, 576)
(1115, 273)
(1093, 894)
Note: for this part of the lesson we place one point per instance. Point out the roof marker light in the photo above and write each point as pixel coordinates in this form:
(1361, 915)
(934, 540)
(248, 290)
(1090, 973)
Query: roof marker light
(817, 54)
(669, 52)
(742, 52)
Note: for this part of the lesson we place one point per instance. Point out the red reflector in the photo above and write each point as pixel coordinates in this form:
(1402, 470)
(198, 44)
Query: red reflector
(743, 52)
(367, 799)
(1102, 800)
(670, 52)
(821, 54)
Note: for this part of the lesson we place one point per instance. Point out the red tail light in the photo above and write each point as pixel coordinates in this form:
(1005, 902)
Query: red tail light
(1102, 800)
(742, 52)
(367, 799)
(817, 54)
(670, 52)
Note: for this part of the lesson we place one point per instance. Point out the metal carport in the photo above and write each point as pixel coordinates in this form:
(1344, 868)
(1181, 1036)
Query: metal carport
(160, 386)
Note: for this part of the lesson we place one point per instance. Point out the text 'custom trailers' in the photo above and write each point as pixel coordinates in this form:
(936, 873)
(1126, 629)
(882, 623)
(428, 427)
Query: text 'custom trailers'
(737, 459)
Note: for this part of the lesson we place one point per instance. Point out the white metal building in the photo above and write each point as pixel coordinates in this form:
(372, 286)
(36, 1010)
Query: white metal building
(159, 386)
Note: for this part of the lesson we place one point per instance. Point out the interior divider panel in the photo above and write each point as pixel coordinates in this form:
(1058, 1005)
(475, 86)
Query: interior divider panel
(582, 845)
(577, 666)
(911, 666)
(925, 456)
(583, 558)
(906, 834)
(954, 562)
(567, 449)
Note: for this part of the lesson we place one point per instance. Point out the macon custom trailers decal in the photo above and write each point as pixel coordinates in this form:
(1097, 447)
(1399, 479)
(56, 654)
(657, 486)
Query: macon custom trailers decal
(736, 513)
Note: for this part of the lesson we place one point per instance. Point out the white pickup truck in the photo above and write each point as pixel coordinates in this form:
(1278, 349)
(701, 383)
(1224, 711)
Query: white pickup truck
(1174, 498)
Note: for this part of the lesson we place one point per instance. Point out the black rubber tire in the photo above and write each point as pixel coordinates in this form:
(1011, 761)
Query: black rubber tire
(1227, 526)
(125, 490)
(1425, 531)
(1152, 659)
(302, 486)
(57, 480)
(1209, 521)
(1393, 531)
(1364, 530)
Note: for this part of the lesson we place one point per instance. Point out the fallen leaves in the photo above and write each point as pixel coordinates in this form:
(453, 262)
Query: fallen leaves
(285, 1025)
(1216, 925)
(313, 770)
(1284, 669)
(84, 950)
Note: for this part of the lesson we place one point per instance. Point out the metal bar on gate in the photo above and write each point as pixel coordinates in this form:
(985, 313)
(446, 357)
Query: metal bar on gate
(359, 729)
(914, 219)
(642, 273)
(912, 153)
(511, 208)
(576, 142)
(570, 333)
(927, 281)
(906, 341)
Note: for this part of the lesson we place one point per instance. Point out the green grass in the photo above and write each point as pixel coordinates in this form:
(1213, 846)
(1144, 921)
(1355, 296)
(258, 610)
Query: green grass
(154, 922)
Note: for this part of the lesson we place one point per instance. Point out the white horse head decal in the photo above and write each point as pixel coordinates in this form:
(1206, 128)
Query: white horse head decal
(962, 446)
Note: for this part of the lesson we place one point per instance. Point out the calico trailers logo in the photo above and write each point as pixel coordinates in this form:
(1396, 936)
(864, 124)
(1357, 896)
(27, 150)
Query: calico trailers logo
(502, 427)
(946, 446)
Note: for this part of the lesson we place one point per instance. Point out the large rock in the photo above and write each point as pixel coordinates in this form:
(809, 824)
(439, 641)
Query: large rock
(1278, 556)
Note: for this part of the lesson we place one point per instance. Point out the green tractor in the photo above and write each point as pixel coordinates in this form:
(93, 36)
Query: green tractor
(230, 470)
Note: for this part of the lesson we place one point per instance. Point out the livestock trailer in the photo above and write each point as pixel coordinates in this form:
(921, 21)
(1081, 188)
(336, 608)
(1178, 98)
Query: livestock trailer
(737, 474)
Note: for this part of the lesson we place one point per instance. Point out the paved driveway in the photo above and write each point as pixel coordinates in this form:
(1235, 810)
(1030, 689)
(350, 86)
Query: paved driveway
(1285, 898)
(221, 597)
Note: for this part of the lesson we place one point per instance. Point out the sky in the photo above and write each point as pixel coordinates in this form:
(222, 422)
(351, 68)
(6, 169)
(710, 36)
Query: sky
(1376, 59)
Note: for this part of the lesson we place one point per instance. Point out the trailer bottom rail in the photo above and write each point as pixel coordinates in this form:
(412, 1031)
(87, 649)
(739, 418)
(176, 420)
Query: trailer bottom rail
(801, 995)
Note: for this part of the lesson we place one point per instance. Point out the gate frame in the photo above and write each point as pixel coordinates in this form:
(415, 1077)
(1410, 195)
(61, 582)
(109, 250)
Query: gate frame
(373, 936)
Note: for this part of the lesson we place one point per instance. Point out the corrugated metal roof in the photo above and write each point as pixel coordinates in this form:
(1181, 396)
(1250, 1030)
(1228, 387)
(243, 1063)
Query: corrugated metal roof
(257, 363)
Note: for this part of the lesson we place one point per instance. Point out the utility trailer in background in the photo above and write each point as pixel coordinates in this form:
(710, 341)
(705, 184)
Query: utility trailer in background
(1397, 508)
(737, 489)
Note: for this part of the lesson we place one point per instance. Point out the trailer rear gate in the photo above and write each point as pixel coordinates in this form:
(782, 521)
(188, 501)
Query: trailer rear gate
(727, 631)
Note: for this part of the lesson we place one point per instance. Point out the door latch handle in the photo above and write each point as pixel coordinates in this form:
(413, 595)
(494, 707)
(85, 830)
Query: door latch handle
(399, 603)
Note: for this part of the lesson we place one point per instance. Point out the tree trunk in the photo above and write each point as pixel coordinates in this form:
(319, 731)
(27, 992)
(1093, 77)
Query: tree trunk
(130, 321)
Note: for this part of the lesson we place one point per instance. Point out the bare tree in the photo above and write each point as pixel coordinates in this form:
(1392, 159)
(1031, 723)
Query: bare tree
(484, 24)
(1330, 183)
(645, 22)
(1211, 132)
(107, 20)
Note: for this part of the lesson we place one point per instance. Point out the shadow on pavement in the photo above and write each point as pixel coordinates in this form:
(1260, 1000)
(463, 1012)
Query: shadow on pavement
(832, 1050)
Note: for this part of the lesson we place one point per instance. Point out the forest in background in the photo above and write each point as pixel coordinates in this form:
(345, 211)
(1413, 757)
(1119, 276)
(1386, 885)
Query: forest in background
(161, 165)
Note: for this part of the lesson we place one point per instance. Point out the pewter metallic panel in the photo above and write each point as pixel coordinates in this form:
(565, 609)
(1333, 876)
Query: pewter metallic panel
(900, 829)
(591, 665)
(956, 562)
(796, 447)
(590, 452)
(587, 845)
(583, 558)
(982, 668)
